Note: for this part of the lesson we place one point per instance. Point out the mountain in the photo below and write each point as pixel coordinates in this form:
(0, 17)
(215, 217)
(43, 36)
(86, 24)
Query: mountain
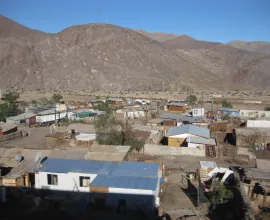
(107, 57)
(158, 36)
(255, 46)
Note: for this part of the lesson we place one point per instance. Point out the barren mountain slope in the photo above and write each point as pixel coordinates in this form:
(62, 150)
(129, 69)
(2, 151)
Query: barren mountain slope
(187, 42)
(158, 36)
(91, 57)
(101, 56)
(256, 46)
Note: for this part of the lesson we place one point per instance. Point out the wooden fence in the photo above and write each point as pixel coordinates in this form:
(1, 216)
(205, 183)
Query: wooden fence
(17, 134)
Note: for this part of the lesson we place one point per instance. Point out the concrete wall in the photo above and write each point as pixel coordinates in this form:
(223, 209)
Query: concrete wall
(65, 181)
(162, 150)
(258, 124)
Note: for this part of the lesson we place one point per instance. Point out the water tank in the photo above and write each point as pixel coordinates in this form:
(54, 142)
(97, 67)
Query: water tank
(129, 102)
(18, 158)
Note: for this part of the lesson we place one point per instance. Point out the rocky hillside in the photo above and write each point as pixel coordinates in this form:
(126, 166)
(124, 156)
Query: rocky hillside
(107, 57)
(255, 46)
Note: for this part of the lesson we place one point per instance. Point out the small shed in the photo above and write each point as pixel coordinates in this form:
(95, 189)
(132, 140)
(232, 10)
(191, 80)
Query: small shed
(177, 106)
(25, 118)
(115, 101)
(6, 128)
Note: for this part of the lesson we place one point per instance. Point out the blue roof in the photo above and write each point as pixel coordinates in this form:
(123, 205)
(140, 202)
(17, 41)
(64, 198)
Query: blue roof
(189, 129)
(126, 182)
(179, 117)
(124, 168)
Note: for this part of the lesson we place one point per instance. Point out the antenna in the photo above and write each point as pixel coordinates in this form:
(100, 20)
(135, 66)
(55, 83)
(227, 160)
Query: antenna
(37, 159)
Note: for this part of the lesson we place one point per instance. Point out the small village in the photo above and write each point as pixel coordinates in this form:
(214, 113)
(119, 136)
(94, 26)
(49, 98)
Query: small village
(138, 158)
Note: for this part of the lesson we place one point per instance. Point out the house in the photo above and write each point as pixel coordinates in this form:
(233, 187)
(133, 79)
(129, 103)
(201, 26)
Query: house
(197, 112)
(250, 114)
(95, 102)
(84, 134)
(130, 113)
(184, 119)
(25, 118)
(189, 136)
(51, 115)
(6, 128)
(107, 184)
(142, 131)
(177, 106)
(249, 137)
(155, 122)
(115, 101)
(228, 111)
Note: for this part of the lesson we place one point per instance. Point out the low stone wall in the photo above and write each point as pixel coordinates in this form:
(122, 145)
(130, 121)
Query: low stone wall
(162, 150)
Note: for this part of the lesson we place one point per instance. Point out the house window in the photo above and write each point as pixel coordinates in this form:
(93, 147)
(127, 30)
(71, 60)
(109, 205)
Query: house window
(84, 181)
(52, 179)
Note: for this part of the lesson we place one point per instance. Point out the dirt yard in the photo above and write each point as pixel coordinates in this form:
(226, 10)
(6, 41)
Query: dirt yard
(36, 139)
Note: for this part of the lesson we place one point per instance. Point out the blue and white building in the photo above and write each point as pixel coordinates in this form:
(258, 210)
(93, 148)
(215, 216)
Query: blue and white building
(135, 183)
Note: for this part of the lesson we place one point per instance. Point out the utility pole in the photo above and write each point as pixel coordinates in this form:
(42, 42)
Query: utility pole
(67, 109)
(163, 86)
(202, 101)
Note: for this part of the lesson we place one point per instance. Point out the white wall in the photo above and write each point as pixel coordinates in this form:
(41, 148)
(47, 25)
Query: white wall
(65, 181)
(199, 112)
(51, 117)
(258, 124)
(194, 145)
(254, 114)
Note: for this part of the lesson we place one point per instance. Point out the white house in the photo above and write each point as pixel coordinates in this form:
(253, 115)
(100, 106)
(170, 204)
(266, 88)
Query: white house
(51, 115)
(135, 184)
(247, 114)
(198, 112)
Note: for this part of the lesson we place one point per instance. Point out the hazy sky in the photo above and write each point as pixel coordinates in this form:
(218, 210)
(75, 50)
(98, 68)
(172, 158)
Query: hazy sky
(214, 20)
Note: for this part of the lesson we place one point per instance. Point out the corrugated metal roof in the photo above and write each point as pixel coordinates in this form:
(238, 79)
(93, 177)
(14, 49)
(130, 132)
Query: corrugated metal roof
(177, 104)
(126, 182)
(22, 116)
(125, 168)
(189, 129)
(208, 164)
(4, 127)
(180, 117)
(114, 99)
(48, 112)
(200, 140)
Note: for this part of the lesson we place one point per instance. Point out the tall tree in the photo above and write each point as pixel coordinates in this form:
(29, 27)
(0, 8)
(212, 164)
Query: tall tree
(226, 104)
(192, 99)
(56, 97)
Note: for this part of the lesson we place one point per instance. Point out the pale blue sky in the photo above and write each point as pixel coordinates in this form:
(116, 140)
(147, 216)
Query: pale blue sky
(213, 20)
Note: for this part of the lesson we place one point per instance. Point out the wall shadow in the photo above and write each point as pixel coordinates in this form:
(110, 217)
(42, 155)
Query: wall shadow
(27, 203)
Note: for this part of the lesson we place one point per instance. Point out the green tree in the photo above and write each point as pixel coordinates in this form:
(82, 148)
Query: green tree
(10, 108)
(107, 128)
(192, 99)
(56, 97)
(226, 104)
(12, 96)
(219, 194)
